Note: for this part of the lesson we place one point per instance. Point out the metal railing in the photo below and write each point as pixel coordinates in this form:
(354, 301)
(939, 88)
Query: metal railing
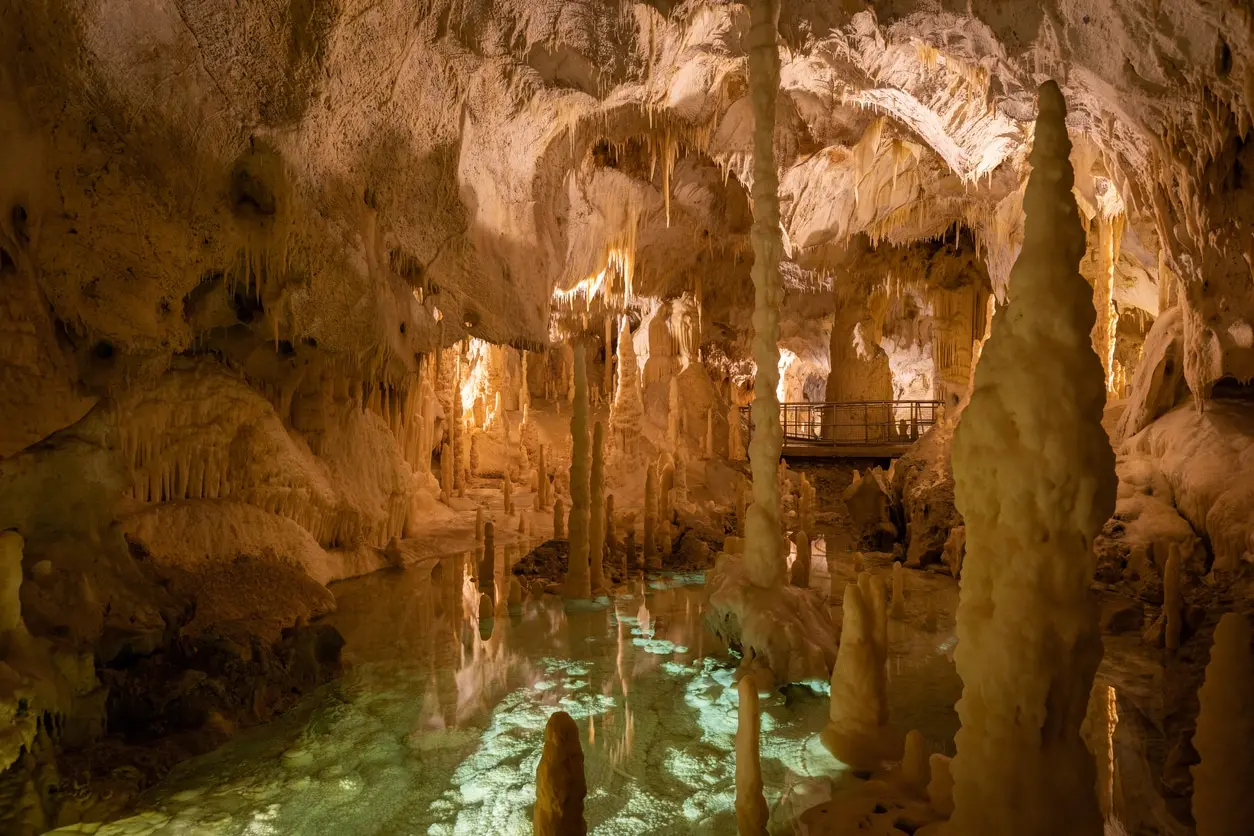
(852, 423)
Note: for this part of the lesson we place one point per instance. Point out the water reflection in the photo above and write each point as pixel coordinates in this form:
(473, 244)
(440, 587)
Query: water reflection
(439, 726)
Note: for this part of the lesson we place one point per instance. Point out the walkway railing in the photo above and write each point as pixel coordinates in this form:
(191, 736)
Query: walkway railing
(888, 426)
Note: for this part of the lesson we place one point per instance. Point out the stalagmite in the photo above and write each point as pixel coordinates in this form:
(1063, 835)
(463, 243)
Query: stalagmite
(751, 810)
(560, 783)
(628, 407)
(596, 511)
(801, 565)
(522, 522)
(940, 789)
(487, 560)
(1098, 731)
(446, 472)
(805, 506)
(559, 519)
(524, 389)
(611, 539)
(1173, 600)
(542, 479)
(650, 516)
(709, 433)
(672, 414)
(735, 440)
(899, 592)
(479, 524)
(764, 562)
(1223, 803)
(915, 770)
(455, 428)
(1034, 482)
(740, 507)
(630, 558)
(857, 732)
(11, 625)
(666, 496)
(507, 493)
(578, 582)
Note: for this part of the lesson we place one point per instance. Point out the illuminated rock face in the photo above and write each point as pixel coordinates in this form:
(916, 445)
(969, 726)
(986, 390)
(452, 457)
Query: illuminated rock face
(1034, 480)
(560, 783)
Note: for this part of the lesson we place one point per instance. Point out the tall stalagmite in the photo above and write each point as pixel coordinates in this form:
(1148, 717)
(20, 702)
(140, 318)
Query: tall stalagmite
(650, 516)
(764, 560)
(628, 407)
(751, 812)
(1223, 804)
(578, 582)
(1034, 481)
(596, 511)
(560, 783)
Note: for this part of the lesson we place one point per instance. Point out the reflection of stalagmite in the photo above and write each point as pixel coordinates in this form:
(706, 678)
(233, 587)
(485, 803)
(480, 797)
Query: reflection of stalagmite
(764, 561)
(1034, 481)
(899, 592)
(751, 811)
(596, 510)
(857, 732)
(560, 783)
(577, 578)
(487, 561)
(801, 565)
(1223, 804)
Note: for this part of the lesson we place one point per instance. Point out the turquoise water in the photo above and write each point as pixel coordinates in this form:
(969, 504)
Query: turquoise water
(437, 730)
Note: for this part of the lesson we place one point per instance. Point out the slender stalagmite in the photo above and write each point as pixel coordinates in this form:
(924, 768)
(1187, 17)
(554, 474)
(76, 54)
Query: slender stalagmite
(446, 472)
(611, 539)
(709, 433)
(524, 390)
(479, 524)
(560, 783)
(507, 494)
(751, 811)
(764, 560)
(454, 426)
(578, 582)
(596, 511)
(542, 479)
(1035, 481)
(1223, 804)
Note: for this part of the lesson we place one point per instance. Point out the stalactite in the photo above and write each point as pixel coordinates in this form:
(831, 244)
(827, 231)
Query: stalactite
(764, 562)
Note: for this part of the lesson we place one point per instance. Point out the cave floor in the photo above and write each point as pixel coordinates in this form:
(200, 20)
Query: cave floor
(437, 730)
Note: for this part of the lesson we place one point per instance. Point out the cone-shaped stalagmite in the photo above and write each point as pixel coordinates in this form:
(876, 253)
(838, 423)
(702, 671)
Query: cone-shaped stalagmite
(1223, 804)
(751, 811)
(596, 511)
(764, 561)
(578, 582)
(1034, 481)
(857, 732)
(560, 783)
